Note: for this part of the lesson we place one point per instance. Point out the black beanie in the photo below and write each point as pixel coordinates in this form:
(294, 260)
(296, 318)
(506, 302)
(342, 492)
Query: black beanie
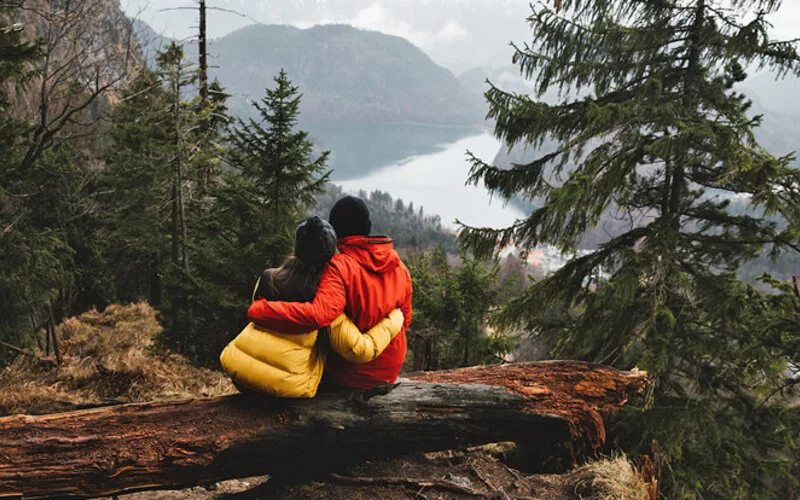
(314, 241)
(350, 216)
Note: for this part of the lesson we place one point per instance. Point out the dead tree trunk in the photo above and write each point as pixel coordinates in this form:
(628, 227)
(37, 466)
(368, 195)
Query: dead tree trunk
(556, 408)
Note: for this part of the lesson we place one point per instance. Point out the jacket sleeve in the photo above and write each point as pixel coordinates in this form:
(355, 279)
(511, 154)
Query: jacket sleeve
(405, 306)
(348, 341)
(303, 317)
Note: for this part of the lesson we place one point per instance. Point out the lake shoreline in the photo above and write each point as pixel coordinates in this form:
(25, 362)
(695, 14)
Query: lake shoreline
(436, 181)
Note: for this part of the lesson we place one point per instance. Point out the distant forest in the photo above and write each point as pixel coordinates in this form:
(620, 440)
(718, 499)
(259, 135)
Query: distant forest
(406, 224)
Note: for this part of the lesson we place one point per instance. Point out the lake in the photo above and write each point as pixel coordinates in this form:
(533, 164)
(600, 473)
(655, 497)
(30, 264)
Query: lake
(433, 178)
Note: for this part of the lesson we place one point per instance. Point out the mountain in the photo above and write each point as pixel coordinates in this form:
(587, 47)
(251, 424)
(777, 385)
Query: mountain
(456, 34)
(347, 76)
(356, 84)
(149, 40)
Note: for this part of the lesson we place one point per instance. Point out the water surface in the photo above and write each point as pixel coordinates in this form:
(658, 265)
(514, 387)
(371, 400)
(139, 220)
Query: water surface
(436, 181)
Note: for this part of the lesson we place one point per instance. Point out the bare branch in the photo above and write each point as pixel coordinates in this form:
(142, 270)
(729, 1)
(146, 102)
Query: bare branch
(219, 9)
(18, 350)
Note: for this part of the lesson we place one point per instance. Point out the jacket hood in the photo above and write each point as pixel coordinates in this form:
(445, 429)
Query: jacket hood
(374, 253)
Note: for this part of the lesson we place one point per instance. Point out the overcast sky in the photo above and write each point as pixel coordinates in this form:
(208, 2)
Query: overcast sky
(458, 34)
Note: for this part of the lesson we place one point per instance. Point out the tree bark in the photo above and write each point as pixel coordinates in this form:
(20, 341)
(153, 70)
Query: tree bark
(201, 45)
(556, 408)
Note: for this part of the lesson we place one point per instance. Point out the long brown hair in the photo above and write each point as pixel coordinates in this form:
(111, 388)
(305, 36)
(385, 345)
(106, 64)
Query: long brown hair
(297, 279)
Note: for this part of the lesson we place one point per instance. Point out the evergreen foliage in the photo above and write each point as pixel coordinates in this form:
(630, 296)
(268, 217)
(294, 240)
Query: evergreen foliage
(16, 56)
(452, 304)
(137, 179)
(409, 228)
(158, 203)
(164, 147)
(650, 122)
(247, 222)
(278, 179)
(34, 254)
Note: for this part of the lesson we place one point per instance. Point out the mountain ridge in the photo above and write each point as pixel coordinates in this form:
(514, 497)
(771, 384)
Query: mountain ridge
(347, 75)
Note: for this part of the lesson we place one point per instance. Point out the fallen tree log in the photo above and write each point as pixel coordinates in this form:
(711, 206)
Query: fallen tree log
(584, 394)
(556, 408)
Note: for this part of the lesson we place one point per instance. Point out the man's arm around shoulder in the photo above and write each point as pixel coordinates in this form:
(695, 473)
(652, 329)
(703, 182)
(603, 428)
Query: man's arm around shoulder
(303, 317)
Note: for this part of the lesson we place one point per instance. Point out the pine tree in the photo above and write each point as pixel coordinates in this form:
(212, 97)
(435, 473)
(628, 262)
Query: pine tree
(650, 126)
(17, 261)
(137, 178)
(164, 147)
(280, 178)
(177, 77)
(49, 245)
(246, 222)
(210, 135)
(452, 305)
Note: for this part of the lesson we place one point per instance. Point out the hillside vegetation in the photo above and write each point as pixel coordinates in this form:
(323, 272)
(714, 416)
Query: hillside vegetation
(408, 225)
(106, 357)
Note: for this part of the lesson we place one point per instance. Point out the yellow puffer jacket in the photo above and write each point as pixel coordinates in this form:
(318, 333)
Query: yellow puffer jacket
(290, 365)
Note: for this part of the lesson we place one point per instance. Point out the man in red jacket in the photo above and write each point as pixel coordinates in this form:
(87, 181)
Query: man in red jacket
(367, 280)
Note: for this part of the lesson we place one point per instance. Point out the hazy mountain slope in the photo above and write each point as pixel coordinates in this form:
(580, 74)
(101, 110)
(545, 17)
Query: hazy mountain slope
(149, 40)
(347, 76)
(457, 34)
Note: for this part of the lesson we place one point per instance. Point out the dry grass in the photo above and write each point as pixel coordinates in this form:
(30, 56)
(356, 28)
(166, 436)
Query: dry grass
(607, 479)
(107, 357)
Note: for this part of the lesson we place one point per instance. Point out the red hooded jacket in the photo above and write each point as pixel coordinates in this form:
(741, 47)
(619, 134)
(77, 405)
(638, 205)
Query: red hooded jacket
(367, 280)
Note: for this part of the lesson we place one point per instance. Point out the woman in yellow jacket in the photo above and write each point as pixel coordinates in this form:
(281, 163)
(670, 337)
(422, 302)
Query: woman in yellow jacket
(291, 365)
